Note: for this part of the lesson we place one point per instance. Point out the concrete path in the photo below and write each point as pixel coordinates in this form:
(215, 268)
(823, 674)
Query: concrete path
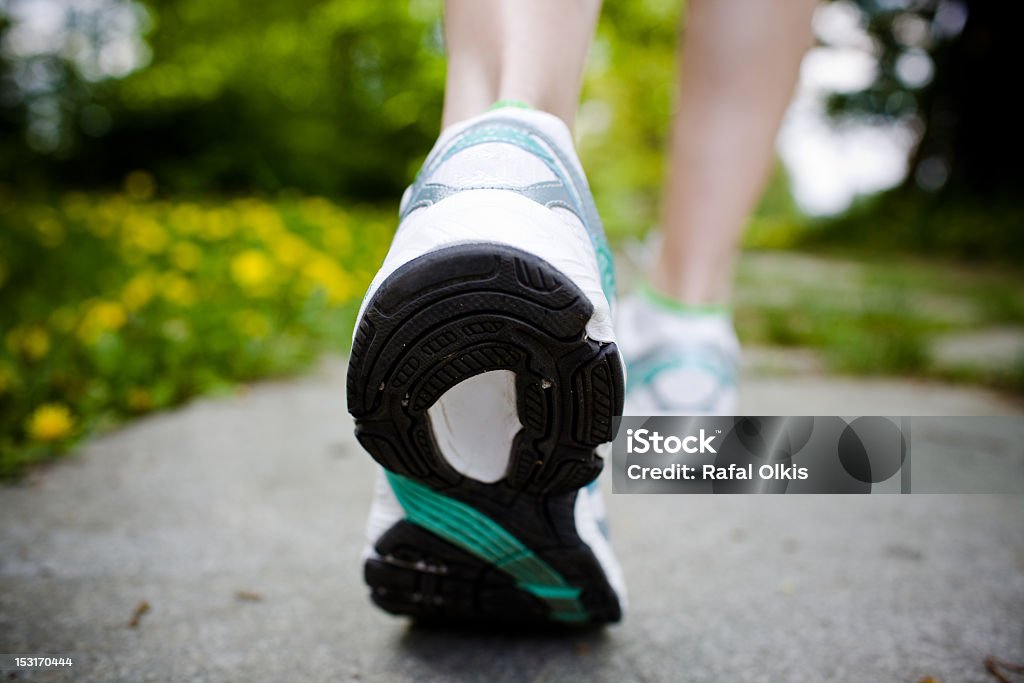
(238, 521)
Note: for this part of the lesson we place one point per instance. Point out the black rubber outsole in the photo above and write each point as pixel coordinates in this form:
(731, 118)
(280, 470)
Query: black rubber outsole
(449, 315)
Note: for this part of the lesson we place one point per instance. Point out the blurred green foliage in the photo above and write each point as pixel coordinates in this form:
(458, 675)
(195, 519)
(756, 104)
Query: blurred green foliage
(332, 97)
(117, 305)
(881, 316)
(327, 97)
(623, 120)
(967, 227)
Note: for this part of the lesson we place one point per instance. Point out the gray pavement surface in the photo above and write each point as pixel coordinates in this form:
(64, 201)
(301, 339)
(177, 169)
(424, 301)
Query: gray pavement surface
(239, 522)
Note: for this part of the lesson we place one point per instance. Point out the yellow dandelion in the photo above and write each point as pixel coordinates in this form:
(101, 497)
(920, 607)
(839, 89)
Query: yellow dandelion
(50, 422)
(139, 291)
(100, 317)
(186, 256)
(32, 341)
(109, 315)
(35, 343)
(262, 220)
(251, 269)
(336, 283)
(217, 224)
(113, 208)
(186, 218)
(338, 240)
(144, 234)
(290, 250)
(178, 289)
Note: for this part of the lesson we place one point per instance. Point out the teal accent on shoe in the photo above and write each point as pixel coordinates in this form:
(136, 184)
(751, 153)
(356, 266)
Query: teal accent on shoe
(670, 305)
(478, 534)
(644, 374)
(515, 104)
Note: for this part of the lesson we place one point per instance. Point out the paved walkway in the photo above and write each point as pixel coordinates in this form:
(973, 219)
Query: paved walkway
(238, 521)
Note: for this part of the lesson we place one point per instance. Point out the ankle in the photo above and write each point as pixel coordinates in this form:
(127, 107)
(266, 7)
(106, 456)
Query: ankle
(685, 304)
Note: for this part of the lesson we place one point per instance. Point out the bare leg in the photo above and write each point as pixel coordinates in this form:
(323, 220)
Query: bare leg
(527, 50)
(740, 60)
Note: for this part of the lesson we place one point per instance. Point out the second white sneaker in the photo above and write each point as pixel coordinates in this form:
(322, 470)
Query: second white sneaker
(679, 362)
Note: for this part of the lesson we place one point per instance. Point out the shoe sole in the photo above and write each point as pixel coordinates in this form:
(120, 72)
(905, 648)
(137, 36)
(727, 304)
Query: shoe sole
(505, 552)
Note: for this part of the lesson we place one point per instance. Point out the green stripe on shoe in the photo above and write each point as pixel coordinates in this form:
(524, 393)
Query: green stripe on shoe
(670, 305)
(478, 534)
(515, 104)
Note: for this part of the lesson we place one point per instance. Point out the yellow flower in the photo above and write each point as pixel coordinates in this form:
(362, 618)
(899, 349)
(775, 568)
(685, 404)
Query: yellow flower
(217, 224)
(178, 289)
(138, 291)
(36, 343)
(251, 269)
(32, 341)
(108, 315)
(144, 234)
(186, 256)
(50, 422)
(261, 219)
(338, 240)
(186, 218)
(325, 273)
(102, 316)
(290, 250)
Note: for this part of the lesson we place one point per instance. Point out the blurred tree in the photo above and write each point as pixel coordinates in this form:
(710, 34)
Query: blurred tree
(948, 67)
(328, 97)
(947, 63)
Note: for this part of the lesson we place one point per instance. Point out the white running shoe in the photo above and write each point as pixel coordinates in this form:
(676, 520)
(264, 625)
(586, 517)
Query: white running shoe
(678, 362)
(483, 376)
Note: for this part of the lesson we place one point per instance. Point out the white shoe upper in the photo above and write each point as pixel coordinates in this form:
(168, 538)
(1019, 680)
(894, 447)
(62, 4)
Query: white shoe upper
(511, 177)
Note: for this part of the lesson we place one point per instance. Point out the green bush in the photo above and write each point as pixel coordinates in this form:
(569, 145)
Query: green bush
(118, 305)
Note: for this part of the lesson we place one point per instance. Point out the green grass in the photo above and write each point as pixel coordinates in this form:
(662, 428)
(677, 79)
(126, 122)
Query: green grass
(878, 316)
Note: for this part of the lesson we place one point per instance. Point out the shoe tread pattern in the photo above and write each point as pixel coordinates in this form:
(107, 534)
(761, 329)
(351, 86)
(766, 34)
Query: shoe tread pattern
(438, 320)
